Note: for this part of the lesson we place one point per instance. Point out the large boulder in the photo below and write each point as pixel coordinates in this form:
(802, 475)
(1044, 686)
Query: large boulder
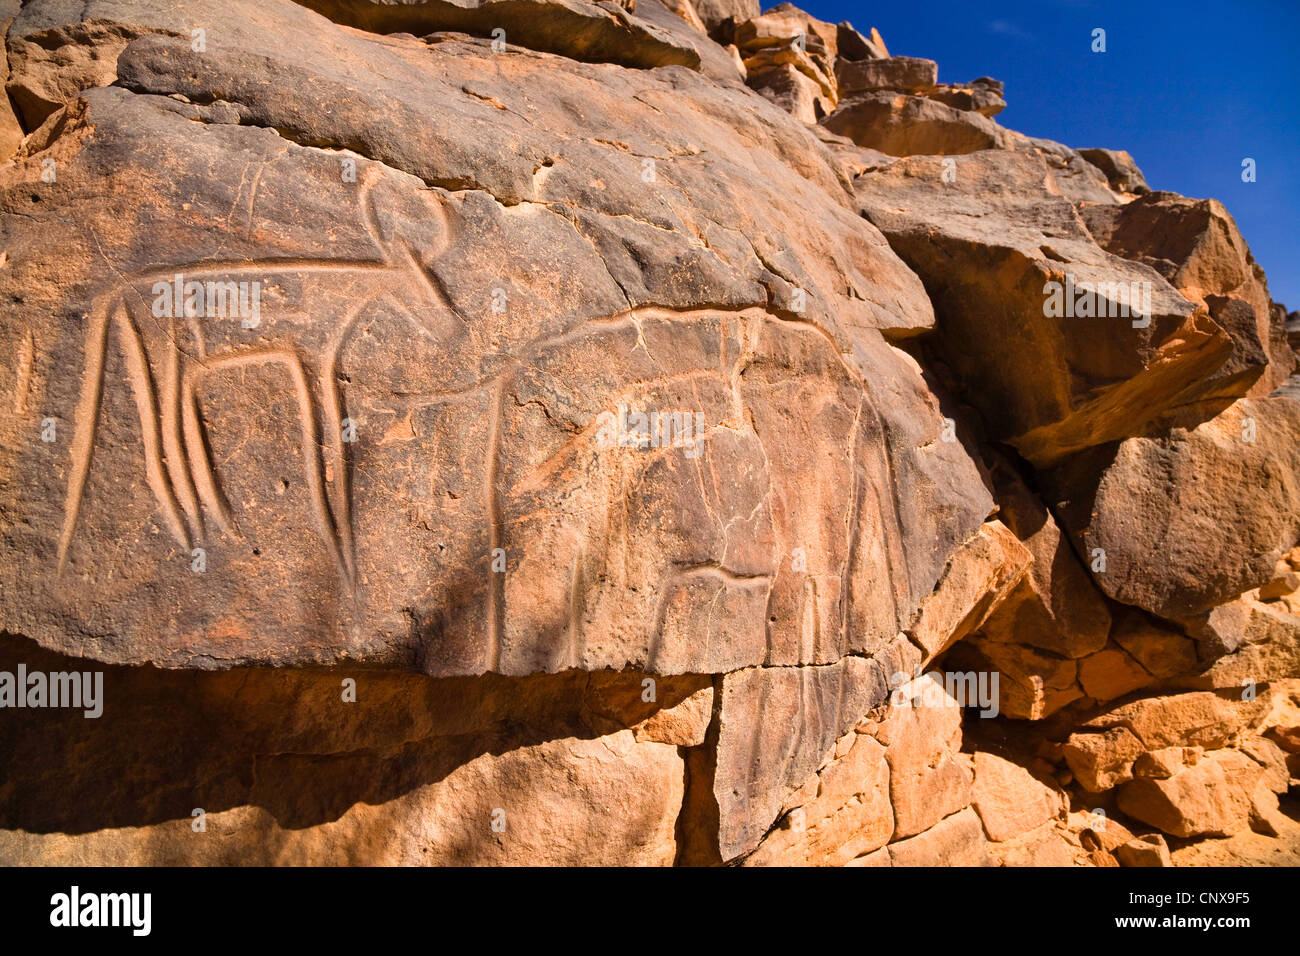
(1058, 343)
(983, 96)
(905, 73)
(1009, 799)
(571, 769)
(1212, 798)
(929, 777)
(648, 432)
(1119, 168)
(1195, 244)
(903, 125)
(575, 28)
(715, 12)
(1177, 523)
(958, 840)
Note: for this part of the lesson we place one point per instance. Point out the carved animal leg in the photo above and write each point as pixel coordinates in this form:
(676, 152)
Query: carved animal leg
(331, 399)
(202, 470)
(178, 466)
(146, 404)
(88, 406)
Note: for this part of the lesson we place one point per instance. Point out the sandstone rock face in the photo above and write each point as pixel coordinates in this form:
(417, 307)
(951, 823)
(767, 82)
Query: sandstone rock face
(11, 131)
(904, 125)
(929, 777)
(1212, 798)
(984, 96)
(517, 432)
(460, 569)
(1145, 851)
(849, 817)
(957, 841)
(1014, 274)
(1054, 607)
(758, 762)
(1196, 246)
(714, 12)
(905, 73)
(1009, 799)
(1119, 168)
(1219, 503)
(574, 28)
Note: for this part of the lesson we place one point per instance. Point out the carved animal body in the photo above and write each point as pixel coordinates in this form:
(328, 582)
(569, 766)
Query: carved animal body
(165, 375)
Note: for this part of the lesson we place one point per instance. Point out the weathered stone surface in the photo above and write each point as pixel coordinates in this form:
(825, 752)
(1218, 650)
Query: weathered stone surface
(1218, 503)
(979, 576)
(873, 859)
(955, 841)
(11, 130)
(565, 802)
(904, 125)
(1265, 638)
(1200, 718)
(290, 773)
(613, 556)
(1164, 763)
(1283, 721)
(852, 45)
(849, 816)
(1161, 651)
(1196, 245)
(779, 24)
(1046, 845)
(714, 12)
(1100, 833)
(1101, 760)
(685, 11)
(989, 245)
(1111, 673)
(789, 58)
(929, 778)
(984, 96)
(813, 66)
(904, 73)
(584, 31)
(669, 710)
(1055, 607)
(1270, 756)
(1213, 798)
(1073, 177)
(759, 761)
(1009, 799)
(793, 91)
(716, 61)
(1119, 169)
(1032, 683)
(1149, 850)
(548, 431)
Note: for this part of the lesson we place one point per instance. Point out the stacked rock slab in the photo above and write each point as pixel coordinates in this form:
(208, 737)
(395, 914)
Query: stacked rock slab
(565, 433)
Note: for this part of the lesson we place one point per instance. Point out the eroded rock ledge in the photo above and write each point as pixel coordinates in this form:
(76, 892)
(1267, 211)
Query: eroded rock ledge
(369, 580)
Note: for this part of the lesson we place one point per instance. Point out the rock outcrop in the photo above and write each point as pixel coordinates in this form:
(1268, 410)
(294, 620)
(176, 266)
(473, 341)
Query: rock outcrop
(552, 432)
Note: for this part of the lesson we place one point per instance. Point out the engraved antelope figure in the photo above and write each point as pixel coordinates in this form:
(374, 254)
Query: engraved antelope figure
(165, 377)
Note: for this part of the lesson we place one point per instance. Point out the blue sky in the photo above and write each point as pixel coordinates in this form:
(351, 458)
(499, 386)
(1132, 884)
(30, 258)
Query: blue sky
(1190, 89)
